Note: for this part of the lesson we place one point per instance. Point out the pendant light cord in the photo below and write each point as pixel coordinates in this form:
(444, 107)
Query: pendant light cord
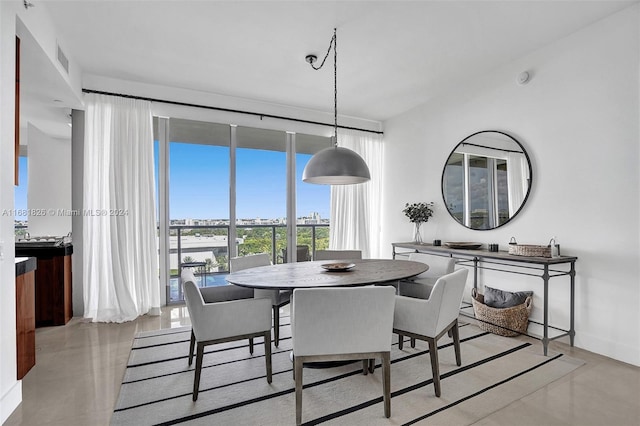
(334, 44)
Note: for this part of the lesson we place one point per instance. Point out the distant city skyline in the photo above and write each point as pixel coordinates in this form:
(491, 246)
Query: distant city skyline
(313, 219)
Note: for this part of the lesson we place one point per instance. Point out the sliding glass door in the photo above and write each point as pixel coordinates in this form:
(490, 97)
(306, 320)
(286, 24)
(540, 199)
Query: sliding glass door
(312, 201)
(197, 203)
(226, 193)
(261, 192)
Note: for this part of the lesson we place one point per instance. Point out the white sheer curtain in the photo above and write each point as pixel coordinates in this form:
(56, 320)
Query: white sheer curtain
(120, 253)
(355, 209)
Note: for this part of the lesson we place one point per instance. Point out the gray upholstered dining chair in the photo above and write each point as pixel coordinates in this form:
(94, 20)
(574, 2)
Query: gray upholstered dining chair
(420, 286)
(220, 322)
(302, 254)
(333, 324)
(337, 254)
(279, 298)
(430, 319)
(224, 293)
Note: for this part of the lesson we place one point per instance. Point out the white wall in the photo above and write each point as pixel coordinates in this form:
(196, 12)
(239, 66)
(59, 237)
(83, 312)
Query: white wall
(38, 23)
(49, 184)
(578, 119)
(37, 20)
(77, 170)
(10, 387)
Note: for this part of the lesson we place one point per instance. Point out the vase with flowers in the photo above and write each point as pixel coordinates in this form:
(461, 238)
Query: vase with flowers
(418, 213)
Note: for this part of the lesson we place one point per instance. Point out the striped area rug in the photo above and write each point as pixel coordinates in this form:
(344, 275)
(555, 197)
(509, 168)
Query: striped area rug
(495, 371)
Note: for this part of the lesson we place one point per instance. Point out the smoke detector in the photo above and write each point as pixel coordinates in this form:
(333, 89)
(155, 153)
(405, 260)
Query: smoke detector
(523, 78)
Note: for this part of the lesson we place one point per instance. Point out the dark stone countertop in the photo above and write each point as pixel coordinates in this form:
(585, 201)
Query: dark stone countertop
(24, 265)
(43, 249)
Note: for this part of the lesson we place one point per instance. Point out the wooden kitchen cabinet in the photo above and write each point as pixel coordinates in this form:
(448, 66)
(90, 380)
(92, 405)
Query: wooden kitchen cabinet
(25, 316)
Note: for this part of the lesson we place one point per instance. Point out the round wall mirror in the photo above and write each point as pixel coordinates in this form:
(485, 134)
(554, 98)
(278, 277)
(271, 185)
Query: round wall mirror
(486, 180)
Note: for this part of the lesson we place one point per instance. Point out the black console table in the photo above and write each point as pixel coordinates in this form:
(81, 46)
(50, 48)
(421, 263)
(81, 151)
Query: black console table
(545, 268)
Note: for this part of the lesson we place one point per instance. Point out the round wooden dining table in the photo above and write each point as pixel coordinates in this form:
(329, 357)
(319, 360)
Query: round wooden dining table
(289, 276)
(312, 274)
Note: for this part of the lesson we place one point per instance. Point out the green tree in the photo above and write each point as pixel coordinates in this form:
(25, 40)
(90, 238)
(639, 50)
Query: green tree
(209, 264)
(223, 263)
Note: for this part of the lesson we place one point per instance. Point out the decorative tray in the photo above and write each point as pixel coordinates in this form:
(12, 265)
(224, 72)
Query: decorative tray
(338, 267)
(463, 245)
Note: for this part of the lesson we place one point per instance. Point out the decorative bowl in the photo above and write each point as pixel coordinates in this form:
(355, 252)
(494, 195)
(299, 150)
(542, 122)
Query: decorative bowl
(337, 267)
(463, 245)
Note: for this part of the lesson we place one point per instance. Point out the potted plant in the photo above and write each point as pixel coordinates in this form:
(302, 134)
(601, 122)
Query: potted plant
(418, 213)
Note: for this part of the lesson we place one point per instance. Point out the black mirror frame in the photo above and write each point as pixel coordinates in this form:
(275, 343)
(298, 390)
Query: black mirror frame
(528, 190)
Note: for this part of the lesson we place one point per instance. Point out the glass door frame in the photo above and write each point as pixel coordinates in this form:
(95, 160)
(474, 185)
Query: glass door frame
(164, 259)
(164, 141)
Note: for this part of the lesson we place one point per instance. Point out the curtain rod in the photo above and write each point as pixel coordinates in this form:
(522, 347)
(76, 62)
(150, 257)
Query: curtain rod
(258, 114)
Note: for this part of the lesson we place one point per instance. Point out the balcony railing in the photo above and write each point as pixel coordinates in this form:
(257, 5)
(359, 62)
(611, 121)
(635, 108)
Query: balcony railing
(206, 249)
(207, 246)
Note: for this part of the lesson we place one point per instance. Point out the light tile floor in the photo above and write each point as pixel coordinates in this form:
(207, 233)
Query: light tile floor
(79, 368)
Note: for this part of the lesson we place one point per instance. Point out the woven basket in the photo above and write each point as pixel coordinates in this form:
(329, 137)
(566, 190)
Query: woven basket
(529, 250)
(502, 321)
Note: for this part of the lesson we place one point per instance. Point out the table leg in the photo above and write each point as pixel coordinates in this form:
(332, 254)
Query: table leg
(572, 331)
(545, 338)
(475, 272)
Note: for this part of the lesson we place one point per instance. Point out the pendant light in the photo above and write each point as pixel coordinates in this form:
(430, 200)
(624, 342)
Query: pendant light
(334, 165)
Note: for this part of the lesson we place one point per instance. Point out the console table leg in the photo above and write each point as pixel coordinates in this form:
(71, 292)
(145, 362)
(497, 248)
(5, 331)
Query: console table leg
(475, 272)
(572, 331)
(545, 338)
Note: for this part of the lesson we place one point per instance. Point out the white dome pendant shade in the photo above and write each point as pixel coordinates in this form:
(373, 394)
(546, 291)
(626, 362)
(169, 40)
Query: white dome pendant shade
(334, 165)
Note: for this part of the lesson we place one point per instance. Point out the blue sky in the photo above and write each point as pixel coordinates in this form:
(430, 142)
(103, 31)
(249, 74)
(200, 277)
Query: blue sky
(21, 190)
(199, 184)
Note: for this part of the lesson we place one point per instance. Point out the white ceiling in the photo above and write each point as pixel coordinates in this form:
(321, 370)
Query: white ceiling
(392, 55)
